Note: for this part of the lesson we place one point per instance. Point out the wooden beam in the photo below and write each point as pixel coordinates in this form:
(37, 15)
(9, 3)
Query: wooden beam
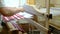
(48, 13)
(37, 25)
(32, 10)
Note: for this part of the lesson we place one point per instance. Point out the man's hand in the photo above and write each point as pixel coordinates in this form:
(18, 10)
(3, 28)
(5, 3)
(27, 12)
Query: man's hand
(9, 11)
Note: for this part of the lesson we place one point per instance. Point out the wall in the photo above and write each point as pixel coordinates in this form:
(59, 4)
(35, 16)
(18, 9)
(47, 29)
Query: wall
(41, 3)
(31, 2)
(57, 3)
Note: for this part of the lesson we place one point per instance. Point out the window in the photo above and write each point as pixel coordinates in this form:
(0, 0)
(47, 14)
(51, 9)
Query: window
(14, 3)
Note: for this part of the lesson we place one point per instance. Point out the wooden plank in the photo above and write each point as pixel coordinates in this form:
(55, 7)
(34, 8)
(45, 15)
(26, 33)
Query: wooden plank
(31, 10)
(37, 25)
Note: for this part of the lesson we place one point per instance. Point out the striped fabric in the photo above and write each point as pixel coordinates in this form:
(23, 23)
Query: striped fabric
(16, 16)
(18, 27)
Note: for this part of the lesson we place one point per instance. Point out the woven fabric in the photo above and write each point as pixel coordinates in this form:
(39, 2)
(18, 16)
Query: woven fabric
(16, 16)
(11, 19)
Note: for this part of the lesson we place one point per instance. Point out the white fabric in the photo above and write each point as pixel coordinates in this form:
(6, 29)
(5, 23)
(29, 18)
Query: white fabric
(12, 3)
(26, 15)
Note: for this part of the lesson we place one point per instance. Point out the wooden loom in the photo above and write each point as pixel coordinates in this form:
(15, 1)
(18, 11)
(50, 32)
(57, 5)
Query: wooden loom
(47, 21)
(44, 30)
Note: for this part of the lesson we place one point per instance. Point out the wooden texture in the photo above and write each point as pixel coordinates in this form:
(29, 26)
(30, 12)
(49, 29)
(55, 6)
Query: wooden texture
(31, 2)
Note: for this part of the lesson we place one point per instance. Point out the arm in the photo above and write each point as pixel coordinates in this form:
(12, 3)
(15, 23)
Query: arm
(9, 11)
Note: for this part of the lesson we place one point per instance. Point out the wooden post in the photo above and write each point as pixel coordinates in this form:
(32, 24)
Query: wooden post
(47, 19)
(48, 13)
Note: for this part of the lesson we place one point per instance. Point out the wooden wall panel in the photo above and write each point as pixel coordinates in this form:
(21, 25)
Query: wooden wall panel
(31, 2)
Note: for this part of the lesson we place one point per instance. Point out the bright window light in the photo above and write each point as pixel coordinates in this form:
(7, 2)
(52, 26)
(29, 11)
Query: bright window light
(22, 2)
(14, 3)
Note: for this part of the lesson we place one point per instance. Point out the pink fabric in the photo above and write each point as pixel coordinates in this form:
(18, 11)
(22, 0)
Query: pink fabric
(18, 27)
(16, 16)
